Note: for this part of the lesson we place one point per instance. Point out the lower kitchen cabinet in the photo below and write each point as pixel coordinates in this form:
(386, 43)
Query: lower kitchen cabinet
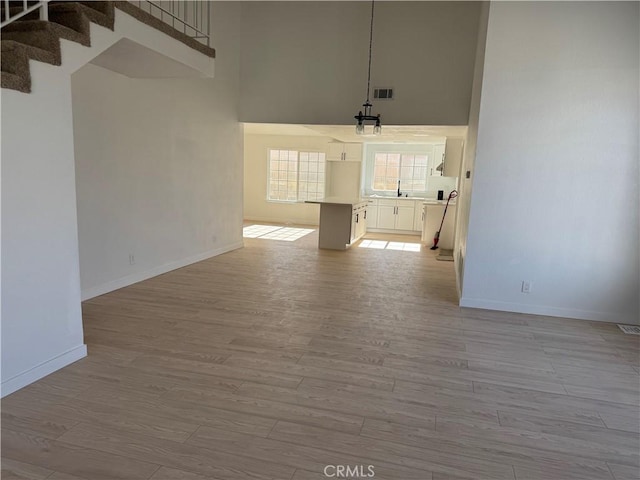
(418, 217)
(393, 214)
(372, 213)
(404, 215)
(342, 222)
(432, 219)
(386, 215)
(358, 222)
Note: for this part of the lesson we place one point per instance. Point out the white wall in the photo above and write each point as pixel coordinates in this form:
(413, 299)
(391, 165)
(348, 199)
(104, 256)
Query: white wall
(256, 167)
(555, 194)
(41, 317)
(469, 154)
(158, 168)
(306, 62)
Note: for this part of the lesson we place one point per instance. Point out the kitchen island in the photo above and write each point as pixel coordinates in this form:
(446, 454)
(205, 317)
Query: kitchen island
(343, 221)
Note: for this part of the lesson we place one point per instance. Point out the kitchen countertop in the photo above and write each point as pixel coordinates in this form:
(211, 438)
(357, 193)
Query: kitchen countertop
(392, 197)
(425, 201)
(439, 202)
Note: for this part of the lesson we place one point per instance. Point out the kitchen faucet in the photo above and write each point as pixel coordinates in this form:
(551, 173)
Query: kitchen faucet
(399, 192)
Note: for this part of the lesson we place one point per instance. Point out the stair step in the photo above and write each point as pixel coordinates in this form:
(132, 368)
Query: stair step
(43, 34)
(94, 15)
(30, 38)
(70, 15)
(33, 33)
(12, 52)
(105, 8)
(15, 61)
(15, 82)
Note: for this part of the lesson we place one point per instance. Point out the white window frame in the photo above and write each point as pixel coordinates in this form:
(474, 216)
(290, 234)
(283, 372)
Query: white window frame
(407, 149)
(299, 195)
(403, 159)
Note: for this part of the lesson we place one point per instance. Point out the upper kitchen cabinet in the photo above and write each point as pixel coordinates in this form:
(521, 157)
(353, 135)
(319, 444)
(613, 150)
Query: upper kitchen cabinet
(437, 161)
(344, 152)
(446, 158)
(453, 157)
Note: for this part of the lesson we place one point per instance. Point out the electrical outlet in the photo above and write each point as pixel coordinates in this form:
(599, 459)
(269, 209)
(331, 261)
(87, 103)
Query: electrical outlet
(132, 259)
(526, 286)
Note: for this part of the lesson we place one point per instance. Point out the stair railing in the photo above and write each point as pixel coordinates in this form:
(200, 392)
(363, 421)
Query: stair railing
(192, 18)
(8, 17)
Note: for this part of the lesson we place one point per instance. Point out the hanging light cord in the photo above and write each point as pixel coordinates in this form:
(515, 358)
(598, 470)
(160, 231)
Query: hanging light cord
(370, 48)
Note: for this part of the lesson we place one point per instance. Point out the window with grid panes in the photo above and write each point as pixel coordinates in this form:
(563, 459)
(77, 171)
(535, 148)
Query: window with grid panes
(408, 168)
(296, 176)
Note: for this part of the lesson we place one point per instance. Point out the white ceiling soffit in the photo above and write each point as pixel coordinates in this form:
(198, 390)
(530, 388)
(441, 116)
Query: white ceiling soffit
(136, 61)
(346, 133)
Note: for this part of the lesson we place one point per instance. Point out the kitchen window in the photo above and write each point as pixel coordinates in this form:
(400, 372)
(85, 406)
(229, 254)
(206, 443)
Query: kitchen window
(414, 165)
(296, 176)
(408, 168)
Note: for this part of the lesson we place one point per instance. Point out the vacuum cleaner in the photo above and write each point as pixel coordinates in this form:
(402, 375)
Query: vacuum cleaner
(436, 238)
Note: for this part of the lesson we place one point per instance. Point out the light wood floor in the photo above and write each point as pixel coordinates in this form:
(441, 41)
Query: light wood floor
(273, 361)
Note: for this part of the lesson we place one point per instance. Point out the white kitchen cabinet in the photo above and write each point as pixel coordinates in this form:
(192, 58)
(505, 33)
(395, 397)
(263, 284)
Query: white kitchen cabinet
(372, 214)
(335, 151)
(342, 222)
(453, 157)
(353, 152)
(344, 152)
(358, 222)
(393, 214)
(362, 226)
(387, 214)
(438, 158)
(432, 219)
(404, 215)
(418, 216)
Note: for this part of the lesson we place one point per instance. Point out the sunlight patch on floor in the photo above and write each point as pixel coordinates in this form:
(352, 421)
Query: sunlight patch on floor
(274, 232)
(380, 244)
(383, 245)
(255, 231)
(405, 247)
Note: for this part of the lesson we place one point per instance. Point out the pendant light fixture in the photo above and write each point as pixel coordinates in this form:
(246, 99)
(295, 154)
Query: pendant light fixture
(367, 116)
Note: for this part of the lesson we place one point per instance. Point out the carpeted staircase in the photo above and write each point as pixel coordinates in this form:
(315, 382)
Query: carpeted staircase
(30, 38)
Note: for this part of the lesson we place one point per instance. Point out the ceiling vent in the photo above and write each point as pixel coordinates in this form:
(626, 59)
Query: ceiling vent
(383, 93)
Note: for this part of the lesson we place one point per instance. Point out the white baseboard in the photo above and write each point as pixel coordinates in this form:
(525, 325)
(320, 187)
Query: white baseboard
(458, 279)
(628, 319)
(46, 368)
(154, 272)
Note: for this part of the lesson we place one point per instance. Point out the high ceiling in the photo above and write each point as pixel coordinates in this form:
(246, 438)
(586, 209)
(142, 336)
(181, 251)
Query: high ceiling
(346, 133)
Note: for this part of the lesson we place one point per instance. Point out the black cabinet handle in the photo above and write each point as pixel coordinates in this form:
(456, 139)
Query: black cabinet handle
(357, 217)
(365, 214)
